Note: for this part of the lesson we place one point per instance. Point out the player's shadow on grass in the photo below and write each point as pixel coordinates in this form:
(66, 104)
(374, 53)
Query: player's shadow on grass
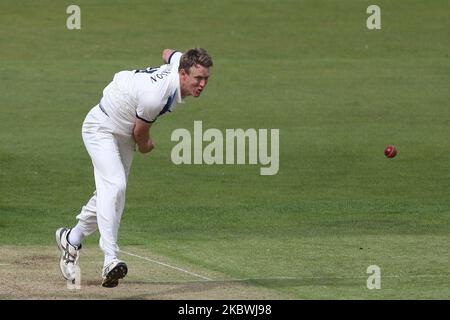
(206, 286)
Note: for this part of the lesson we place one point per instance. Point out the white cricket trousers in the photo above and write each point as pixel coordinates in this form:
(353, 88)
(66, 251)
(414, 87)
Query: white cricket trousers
(111, 156)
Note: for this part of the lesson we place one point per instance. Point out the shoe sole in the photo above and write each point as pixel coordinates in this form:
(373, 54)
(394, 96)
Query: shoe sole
(113, 277)
(58, 237)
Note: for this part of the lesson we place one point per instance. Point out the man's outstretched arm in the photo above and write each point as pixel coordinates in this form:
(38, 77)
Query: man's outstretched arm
(141, 133)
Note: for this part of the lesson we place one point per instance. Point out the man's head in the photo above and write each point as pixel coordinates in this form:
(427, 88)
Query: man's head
(194, 71)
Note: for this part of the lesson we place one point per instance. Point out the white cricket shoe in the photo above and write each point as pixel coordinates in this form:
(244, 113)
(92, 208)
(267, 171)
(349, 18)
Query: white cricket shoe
(69, 255)
(112, 272)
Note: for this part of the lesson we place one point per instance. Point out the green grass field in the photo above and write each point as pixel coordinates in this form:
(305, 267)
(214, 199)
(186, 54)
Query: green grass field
(338, 93)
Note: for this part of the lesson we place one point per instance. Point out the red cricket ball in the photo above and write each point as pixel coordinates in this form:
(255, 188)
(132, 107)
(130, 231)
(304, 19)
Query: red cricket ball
(390, 151)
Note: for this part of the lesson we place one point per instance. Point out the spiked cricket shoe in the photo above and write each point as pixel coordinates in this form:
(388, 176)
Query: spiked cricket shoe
(112, 272)
(69, 255)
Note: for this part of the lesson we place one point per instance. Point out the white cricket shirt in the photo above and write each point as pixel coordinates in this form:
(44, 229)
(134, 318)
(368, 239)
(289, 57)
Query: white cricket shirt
(145, 94)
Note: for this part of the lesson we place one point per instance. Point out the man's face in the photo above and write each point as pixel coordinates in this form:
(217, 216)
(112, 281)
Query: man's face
(193, 83)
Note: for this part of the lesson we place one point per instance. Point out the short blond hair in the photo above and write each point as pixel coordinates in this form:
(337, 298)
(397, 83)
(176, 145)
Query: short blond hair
(195, 56)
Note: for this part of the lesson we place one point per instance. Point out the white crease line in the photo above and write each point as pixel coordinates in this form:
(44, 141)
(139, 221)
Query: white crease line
(167, 265)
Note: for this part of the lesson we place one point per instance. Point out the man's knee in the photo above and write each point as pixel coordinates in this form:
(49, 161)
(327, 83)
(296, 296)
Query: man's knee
(118, 188)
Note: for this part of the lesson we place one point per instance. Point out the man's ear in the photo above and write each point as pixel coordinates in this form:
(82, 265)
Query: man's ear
(183, 72)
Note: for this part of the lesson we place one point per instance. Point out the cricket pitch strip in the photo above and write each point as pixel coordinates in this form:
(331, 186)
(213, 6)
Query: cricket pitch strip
(32, 272)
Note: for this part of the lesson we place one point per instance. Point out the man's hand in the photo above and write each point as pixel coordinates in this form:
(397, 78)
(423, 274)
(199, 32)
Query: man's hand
(147, 147)
(142, 137)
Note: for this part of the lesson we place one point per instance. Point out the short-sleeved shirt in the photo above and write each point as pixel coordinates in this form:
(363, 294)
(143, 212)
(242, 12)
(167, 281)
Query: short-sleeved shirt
(145, 94)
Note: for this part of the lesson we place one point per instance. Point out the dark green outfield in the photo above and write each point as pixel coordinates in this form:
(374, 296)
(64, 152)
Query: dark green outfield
(338, 92)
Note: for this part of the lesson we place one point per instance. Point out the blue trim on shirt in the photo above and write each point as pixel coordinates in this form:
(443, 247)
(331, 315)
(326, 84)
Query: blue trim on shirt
(168, 61)
(168, 104)
(137, 116)
(103, 109)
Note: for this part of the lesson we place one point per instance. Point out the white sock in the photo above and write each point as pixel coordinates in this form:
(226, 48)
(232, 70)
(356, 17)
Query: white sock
(108, 260)
(76, 236)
